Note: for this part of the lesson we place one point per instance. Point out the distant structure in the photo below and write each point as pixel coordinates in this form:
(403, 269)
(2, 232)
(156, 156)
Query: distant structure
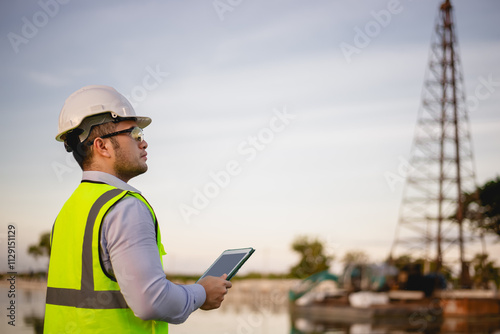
(431, 225)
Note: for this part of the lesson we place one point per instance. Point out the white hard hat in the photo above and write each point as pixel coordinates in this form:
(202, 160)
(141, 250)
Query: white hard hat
(92, 105)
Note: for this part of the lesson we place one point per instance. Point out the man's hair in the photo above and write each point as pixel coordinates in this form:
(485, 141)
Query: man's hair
(82, 151)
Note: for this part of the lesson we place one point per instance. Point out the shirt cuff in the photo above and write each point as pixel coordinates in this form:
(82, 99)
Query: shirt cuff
(199, 294)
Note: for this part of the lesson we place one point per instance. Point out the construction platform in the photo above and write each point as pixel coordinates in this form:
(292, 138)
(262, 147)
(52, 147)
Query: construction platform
(454, 310)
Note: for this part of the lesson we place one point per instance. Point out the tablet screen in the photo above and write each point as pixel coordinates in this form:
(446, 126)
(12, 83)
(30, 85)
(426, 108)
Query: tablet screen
(229, 262)
(225, 264)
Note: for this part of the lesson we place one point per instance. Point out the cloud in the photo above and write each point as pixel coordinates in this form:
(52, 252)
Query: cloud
(47, 79)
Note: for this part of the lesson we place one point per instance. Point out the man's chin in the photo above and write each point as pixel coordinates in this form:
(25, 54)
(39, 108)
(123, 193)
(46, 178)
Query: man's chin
(131, 173)
(143, 169)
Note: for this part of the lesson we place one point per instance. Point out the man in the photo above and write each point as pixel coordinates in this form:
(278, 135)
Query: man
(105, 271)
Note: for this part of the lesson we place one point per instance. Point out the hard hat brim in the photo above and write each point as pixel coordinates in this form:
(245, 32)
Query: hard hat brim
(142, 122)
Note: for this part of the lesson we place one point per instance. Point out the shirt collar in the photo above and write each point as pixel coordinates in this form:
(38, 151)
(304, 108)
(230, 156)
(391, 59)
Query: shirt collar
(112, 180)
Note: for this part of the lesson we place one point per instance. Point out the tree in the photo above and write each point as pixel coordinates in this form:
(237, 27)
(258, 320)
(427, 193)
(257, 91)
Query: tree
(484, 271)
(313, 259)
(43, 247)
(358, 257)
(482, 207)
(402, 261)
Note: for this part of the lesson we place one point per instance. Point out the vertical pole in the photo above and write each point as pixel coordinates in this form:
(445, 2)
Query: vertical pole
(443, 121)
(460, 209)
(449, 60)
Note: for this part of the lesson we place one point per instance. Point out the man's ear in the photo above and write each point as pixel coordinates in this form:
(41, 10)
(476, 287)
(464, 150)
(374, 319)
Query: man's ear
(101, 148)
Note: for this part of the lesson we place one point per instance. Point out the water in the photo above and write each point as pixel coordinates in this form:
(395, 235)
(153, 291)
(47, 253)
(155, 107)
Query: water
(29, 310)
(251, 307)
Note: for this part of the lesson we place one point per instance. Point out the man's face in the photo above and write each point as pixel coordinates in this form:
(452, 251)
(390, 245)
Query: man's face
(130, 154)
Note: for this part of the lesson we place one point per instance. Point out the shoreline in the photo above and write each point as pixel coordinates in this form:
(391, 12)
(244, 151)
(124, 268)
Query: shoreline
(22, 283)
(256, 285)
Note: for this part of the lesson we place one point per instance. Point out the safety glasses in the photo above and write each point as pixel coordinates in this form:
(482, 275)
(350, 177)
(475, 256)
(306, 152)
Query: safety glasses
(135, 132)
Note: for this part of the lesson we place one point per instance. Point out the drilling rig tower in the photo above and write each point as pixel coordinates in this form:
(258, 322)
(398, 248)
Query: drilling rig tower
(431, 223)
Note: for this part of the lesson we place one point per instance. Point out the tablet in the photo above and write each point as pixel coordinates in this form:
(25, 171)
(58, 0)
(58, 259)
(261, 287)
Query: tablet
(229, 262)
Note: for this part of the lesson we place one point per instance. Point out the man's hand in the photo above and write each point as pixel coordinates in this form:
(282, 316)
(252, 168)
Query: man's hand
(215, 288)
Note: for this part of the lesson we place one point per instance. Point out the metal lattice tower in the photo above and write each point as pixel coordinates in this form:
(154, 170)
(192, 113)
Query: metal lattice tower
(430, 224)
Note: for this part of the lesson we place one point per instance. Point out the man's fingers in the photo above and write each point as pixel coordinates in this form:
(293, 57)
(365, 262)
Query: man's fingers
(227, 284)
(216, 288)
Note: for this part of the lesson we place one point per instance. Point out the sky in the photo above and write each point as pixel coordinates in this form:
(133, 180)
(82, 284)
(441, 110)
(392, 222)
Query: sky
(271, 119)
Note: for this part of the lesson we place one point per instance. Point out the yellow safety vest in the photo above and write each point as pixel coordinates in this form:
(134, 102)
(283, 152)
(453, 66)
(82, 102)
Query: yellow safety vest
(81, 296)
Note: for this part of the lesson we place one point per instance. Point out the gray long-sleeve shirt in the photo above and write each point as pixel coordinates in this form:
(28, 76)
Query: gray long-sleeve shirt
(130, 253)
